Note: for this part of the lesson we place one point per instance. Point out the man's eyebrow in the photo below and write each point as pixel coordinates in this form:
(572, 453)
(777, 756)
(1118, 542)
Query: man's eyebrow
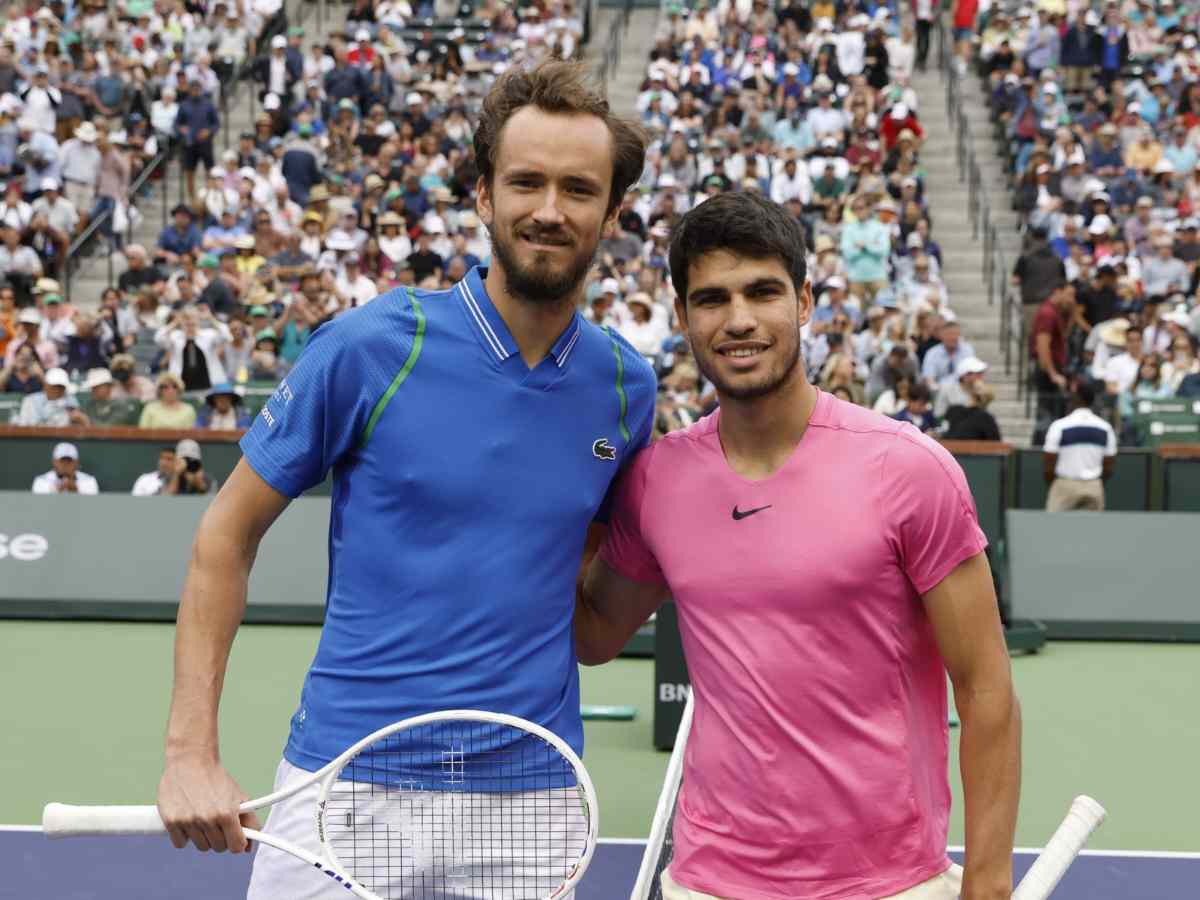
(706, 293)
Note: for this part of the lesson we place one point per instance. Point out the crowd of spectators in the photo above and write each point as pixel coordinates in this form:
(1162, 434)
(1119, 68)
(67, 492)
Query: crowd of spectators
(89, 93)
(1098, 109)
(811, 105)
(358, 177)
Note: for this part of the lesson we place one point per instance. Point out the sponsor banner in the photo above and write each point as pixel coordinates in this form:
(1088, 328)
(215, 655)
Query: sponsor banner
(117, 556)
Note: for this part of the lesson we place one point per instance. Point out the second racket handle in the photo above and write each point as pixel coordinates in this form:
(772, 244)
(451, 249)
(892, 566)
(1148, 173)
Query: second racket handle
(64, 820)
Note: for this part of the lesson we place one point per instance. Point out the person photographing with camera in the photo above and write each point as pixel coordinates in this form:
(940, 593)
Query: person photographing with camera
(188, 476)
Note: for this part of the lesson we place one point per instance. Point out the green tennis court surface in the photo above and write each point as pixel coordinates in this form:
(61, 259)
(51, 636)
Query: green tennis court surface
(85, 707)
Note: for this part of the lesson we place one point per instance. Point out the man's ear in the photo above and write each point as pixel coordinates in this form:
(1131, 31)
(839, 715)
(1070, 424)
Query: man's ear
(483, 201)
(805, 302)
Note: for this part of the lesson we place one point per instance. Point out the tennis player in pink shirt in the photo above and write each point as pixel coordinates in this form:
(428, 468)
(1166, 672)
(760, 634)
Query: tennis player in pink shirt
(828, 569)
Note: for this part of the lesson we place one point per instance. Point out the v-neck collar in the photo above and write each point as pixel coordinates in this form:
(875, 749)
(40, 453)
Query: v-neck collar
(498, 342)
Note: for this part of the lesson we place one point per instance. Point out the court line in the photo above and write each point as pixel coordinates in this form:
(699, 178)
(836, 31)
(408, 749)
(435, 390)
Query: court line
(1025, 851)
(641, 842)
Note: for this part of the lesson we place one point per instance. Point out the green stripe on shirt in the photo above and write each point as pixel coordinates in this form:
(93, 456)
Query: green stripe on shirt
(418, 340)
(620, 382)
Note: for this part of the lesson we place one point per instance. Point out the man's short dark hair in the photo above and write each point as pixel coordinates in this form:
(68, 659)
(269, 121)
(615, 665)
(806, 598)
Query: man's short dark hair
(919, 392)
(743, 223)
(557, 86)
(1085, 394)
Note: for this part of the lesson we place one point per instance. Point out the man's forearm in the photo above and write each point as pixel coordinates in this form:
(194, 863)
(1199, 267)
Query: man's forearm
(990, 763)
(214, 600)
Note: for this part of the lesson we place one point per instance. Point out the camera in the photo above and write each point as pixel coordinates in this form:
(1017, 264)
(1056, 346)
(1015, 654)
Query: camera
(193, 465)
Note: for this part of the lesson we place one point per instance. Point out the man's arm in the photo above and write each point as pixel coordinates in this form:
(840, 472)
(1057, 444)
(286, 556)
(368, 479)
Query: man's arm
(1045, 359)
(609, 608)
(966, 624)
(1049, 465)
(197, 798)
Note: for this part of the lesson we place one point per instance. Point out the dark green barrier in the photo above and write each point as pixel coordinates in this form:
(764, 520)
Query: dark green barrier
(986, 465)
(1181, 479)
(1128, 490)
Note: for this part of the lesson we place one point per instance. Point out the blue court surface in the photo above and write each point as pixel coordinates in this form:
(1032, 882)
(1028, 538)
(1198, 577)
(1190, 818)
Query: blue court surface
(150, 869)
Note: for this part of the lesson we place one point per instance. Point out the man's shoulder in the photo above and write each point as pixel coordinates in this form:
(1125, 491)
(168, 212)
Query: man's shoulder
(604, 348)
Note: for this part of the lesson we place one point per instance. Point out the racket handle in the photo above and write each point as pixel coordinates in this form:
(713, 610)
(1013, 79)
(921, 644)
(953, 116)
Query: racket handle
(63, 820)
(1084, 817)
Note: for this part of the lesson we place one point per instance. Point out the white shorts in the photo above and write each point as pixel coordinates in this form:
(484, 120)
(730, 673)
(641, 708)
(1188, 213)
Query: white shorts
(940, 887)
(276, 875)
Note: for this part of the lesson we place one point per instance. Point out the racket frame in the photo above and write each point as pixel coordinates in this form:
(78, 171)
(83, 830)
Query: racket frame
(61, 820)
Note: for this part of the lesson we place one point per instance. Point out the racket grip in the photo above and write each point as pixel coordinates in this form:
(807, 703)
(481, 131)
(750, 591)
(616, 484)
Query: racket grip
(63, 820)
(1084, 817)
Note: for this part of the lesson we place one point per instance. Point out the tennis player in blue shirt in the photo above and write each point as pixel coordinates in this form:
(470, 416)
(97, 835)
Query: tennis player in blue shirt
(472, 434)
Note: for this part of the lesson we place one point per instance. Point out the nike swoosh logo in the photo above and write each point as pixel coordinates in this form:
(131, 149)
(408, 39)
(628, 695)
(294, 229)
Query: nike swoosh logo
(738, 515)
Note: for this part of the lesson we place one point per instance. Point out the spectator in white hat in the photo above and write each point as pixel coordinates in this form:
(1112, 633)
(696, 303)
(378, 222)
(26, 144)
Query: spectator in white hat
(52, 406)
(59, 211)
(65, 477)
(956, 389)
(188, 475)
(103, 408)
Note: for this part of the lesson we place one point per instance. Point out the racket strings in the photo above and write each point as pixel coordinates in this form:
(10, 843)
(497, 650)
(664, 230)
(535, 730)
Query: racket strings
(458, 810)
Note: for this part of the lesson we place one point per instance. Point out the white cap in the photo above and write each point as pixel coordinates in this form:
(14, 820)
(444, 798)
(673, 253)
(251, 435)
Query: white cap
(414, 97)
(362, 35)
(187, 449)
(1101, 224)
(610, 286)
(65, 451)
(271, 101)
(835, 282)
(49, 184)
(29, 316)
(97, 378)
(972, 365)
(279, 42)
(900, 111)
(57, 377)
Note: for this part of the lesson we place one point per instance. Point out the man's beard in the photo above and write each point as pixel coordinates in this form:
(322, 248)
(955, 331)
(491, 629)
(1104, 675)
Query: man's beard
(770, 383)
(538, 284)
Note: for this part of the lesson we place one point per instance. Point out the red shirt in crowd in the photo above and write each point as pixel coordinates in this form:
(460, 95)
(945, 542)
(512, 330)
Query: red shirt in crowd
(1050, 321)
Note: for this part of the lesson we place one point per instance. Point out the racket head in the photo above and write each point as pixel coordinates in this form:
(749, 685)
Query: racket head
(446, 800)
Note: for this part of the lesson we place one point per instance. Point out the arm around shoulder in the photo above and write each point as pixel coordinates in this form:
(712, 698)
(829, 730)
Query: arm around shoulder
(609, 609)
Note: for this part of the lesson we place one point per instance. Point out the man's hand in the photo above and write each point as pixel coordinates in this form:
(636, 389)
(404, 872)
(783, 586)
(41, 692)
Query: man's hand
(198, 801)
(68, 485)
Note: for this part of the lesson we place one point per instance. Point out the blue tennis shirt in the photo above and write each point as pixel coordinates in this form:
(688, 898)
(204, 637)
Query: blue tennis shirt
(463, 486)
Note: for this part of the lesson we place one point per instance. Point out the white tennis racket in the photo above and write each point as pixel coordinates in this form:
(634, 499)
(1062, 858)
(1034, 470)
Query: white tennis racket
(1060, 851)
(461, 803)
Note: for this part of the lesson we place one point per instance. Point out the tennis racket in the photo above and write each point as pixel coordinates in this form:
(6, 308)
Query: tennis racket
(463, 803)
(1060, 851)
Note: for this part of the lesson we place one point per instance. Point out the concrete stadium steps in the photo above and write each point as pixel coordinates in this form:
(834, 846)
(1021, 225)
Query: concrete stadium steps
(636, 43)
(962, 254)
(92, 279)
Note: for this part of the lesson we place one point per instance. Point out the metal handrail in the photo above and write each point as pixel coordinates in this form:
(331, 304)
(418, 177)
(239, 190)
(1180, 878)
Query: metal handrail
(611, 57)
(995, 263)
(71, 260)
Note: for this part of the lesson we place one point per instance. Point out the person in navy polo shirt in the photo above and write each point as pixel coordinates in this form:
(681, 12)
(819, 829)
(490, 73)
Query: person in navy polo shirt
(472, 434)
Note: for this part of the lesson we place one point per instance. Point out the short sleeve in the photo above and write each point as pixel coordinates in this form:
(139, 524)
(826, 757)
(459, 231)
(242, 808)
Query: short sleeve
(1053, 438)
(1110, 448)
(314, 418)
(625, 549)
(928, 509)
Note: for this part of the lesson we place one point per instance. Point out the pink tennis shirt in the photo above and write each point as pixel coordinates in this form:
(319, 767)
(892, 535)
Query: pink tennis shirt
(817, 762)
